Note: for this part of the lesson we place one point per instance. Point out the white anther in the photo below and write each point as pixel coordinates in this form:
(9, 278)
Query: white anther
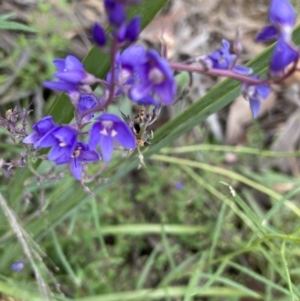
(156, 76)
(104, 132)
(113, 133)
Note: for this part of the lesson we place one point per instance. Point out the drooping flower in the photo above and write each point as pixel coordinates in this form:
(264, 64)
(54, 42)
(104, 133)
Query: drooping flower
(255, 94)
(86, 102)
(82, 154)
(283, 55)
(71, 75)
(41, 128)
(282, 17)
(155, 77)
(62, 141)
(105, 130)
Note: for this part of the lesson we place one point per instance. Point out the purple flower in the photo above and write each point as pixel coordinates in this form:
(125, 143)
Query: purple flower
(62, 141)
(99, 34)
(71, 75)
(179, 185)
(115, 11)
(282, 56)
(155, 77)
(255, 93)
(126, 75)
(41, 128)
(17, 266)
(223, 59)
(133, 29)
(105, 130)
(82, 154)
(125, 69)
(282, 16)
(86, 102)
(129, 31)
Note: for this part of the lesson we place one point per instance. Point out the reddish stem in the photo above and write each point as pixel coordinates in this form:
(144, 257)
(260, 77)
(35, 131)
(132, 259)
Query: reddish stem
(216, 72)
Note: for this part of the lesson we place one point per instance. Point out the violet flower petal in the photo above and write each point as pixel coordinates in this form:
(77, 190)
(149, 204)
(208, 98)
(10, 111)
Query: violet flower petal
(166, 92)
(88, 156)
(124, 135)
(107, 147)
(95, 135)
(140, 91)
(242, 70)
(269, 32)
(74, 77)
(255, 106)
(48, 140)
(282, 12)
(263, 90)
(72, 63)
(282, 56)
(31, 139)
(76, 169)
(60, 86)
(137, 52)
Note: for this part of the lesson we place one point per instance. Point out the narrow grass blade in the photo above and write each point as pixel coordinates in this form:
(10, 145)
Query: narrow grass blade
(147, 267)
(229, 174)
(163, 293)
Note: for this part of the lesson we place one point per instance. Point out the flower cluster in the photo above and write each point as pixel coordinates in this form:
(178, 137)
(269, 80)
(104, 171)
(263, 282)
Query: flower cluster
(282, 18)
(143, 76)
(146, 78)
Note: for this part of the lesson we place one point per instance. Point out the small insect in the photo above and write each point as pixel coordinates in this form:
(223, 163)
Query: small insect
(140, 117)
(139, 126)
(141, 121)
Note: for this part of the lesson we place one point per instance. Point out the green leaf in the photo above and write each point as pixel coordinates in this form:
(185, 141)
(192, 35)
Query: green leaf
(9, 25)
(7, 16)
